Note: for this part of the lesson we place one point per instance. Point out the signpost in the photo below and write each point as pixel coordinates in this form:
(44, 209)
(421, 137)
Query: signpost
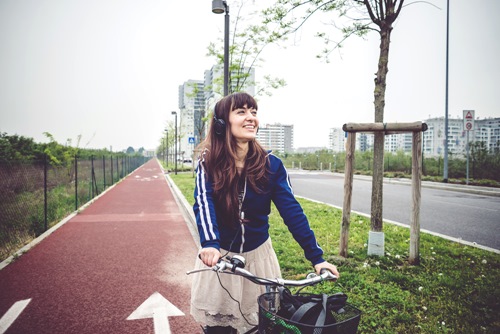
(468, 126)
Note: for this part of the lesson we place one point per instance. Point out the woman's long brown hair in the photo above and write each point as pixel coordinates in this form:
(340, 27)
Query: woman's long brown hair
(219, 155)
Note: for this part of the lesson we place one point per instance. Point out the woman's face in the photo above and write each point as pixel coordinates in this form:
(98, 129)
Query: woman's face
(244, 123)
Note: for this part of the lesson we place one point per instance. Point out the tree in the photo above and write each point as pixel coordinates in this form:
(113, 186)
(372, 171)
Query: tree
(15, 147)
(363, 16)
(247, 43)
(479, 156)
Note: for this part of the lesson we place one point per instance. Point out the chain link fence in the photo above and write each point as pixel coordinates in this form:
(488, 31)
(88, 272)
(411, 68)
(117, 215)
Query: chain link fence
(35, 195)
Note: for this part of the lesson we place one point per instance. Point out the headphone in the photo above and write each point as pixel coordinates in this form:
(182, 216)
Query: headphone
(219, 126)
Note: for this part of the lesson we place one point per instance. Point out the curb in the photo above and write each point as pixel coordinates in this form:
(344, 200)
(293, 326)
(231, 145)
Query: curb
(185, 208)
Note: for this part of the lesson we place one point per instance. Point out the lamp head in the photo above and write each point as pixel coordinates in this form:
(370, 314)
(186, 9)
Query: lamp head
(218, 6)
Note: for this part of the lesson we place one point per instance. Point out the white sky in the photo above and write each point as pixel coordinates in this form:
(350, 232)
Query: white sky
(109, 70)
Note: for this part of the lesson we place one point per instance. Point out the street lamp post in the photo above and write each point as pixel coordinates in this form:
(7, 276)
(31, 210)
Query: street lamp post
(219, 7)
(166, 147)
(165, 151)
(445, 165)
(175, 141)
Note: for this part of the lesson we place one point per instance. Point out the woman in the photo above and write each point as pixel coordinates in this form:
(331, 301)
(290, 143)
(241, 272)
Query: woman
(236, 180)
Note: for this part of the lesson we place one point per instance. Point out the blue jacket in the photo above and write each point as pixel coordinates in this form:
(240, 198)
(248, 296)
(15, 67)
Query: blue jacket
(256, 207)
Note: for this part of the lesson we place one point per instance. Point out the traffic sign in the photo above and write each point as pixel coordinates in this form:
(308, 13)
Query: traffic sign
(469, 120)
(191, 140)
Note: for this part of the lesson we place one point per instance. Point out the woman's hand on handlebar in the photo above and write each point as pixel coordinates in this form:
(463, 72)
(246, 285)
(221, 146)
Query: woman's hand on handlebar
(328, 266)
(209, 256)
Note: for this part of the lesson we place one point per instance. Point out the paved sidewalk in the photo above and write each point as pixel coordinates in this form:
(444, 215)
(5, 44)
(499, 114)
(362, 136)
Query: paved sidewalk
(130, 246)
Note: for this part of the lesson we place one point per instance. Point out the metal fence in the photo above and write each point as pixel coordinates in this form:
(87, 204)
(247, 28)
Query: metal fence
(35, 195)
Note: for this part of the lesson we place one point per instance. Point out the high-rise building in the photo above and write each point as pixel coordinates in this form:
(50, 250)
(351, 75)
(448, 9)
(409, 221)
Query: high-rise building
(276, 137)
(192, 111)
(336, 140)
(196, 101)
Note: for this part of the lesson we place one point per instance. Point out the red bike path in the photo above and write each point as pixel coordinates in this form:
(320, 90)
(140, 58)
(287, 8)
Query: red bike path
(94, 271)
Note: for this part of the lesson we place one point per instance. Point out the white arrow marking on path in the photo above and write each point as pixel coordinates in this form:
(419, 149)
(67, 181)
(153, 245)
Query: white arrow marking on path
(158, 308)
(12, 314)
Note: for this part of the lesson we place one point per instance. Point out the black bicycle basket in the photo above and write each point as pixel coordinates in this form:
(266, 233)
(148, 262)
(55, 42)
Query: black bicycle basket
(346, 320)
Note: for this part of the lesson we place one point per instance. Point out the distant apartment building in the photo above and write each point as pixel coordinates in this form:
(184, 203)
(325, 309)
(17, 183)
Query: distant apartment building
(488, 131)
(190, 124)
(276, 137)
(337, 141)
(433, 140)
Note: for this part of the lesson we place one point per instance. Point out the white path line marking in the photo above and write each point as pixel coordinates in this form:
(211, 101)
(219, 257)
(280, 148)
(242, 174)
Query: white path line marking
(11, 315)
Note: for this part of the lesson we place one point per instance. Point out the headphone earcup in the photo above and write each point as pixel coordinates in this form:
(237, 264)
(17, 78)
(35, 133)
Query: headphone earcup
(220, 127)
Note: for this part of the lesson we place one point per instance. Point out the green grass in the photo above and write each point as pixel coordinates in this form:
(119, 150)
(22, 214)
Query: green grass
(455, 289)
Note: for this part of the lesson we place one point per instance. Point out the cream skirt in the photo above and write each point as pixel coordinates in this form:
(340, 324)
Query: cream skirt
(211, 305)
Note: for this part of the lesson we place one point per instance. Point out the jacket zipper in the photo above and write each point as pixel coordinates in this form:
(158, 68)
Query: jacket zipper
(242, 217)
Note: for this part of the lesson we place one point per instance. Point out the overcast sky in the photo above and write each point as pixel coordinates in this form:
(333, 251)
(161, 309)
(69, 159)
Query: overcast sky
(109, 70)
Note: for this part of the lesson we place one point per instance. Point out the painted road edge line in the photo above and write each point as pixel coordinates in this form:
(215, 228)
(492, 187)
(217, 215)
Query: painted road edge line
(11, 315)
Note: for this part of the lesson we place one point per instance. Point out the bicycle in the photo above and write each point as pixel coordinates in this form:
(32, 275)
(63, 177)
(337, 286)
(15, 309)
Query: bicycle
(271, 303)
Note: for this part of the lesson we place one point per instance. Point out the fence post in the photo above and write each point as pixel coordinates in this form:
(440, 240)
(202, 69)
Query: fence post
(112, 182)
(45, 192)
(92, 176)
(76, 183)
(104, 172)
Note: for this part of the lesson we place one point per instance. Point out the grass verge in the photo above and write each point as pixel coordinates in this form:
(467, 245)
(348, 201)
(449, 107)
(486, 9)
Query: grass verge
(455, 289)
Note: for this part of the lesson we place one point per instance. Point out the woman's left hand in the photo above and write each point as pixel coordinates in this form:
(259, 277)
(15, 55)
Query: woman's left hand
(326, 265)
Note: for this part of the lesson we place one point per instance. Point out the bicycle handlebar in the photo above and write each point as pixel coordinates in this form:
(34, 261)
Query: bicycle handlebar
(226, 267)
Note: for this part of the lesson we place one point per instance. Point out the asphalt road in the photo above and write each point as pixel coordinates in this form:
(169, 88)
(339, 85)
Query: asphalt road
(454, 213)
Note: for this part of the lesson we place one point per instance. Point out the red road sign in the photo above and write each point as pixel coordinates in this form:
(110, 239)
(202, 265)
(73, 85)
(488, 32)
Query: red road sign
(469, 120)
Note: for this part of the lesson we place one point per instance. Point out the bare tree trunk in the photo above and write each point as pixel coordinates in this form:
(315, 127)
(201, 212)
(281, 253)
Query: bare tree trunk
(378, 145)
(377, 182)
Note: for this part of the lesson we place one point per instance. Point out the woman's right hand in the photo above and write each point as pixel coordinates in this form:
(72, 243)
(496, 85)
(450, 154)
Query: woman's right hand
(209, 256)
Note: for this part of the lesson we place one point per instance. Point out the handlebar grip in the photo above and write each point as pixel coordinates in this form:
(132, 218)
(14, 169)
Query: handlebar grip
(330, 274)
